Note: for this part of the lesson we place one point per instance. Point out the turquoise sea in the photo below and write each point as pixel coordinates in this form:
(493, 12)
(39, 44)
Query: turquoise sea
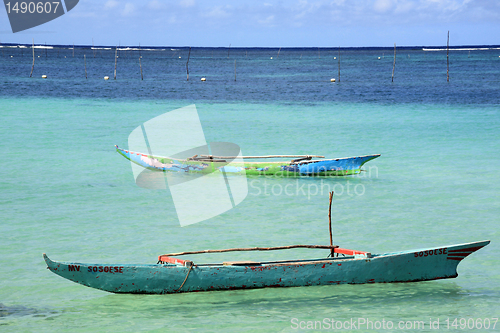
(67, 193)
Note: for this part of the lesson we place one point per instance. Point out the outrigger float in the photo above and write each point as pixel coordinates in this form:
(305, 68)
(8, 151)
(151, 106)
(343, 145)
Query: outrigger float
(173, 275)
(300, 165)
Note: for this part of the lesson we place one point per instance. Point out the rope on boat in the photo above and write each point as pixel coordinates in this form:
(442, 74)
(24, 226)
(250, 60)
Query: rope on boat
(189, 271)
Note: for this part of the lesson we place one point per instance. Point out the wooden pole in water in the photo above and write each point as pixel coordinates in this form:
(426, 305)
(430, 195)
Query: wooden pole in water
(394, 63)
(140, 65)
(448, 58)
(339, 63)
(85, 64)
(279, 53)
(229, 48)
(33, 66)
(187, 64)
(330, 222)
(116, 58)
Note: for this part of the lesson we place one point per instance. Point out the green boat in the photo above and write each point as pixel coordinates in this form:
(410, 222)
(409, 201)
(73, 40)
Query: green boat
(173, 275)
(300, 165)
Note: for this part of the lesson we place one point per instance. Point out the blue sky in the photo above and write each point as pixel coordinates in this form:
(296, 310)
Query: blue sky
(270, 23)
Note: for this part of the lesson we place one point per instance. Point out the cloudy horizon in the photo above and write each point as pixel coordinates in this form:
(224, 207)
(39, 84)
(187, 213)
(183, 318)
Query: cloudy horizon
(273, 23)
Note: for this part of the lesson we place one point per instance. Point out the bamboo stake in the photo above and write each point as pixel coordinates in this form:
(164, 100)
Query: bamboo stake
(330, 223)
(339, 63)
(187, 63)
(448, 58)
(33, 66)
(254, 249)
(85, 63)
(394, 63)
(116, 57)
(279, 53)
(140, 65)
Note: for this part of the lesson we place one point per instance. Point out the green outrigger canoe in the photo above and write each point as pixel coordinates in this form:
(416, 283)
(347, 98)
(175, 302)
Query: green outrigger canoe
(173, 275)
(302, 165)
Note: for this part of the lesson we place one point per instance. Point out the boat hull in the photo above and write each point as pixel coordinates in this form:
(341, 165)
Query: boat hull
(330, 167)
(406, 266)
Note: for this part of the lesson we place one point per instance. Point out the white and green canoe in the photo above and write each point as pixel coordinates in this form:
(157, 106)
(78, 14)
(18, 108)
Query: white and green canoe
(300, 165)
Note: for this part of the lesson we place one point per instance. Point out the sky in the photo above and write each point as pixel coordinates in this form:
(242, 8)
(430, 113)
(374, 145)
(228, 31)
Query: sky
(270, 23)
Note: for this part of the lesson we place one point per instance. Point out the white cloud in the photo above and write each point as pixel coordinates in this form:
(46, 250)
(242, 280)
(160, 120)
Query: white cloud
(155, 4)
(187, 3)
(216, 12)
(129, 9)
(110, 4)
(268, 21)
(382, 6)
(404, 7)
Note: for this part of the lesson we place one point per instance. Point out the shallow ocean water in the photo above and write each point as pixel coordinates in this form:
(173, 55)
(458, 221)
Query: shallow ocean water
(67, 193)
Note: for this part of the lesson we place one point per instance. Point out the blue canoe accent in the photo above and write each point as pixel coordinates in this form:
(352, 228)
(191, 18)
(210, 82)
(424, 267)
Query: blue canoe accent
(184, 276)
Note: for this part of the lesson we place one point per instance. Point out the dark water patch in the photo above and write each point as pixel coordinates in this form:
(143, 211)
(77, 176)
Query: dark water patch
(22, 311)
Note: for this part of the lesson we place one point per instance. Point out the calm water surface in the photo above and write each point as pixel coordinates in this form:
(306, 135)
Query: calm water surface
(65, 192)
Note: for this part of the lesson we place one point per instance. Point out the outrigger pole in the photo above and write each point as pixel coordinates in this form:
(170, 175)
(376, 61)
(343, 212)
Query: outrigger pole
(266, 156)
(253, 249)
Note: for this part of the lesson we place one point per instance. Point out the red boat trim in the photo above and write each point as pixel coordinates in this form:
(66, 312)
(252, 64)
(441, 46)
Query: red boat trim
(351, 252)
(171, 260)
(469, 249)
(460, 254)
